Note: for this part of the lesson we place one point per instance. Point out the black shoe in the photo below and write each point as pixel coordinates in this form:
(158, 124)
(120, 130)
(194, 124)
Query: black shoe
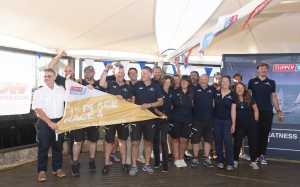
(125, 168)
(208, 163)
(165, 168)
(170, 157)
(105, 169)
(75, 169)
(92, 165)
(156, 166)
(188, 157)
(195, 163)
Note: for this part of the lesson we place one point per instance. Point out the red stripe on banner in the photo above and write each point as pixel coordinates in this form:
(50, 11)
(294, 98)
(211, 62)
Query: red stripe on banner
(233, 19)
(77, 89)
(256, 11)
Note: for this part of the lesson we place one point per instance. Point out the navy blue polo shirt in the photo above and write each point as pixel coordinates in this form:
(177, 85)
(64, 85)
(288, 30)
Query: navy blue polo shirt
(60, 80)
(124, 90)
(95, 84)
(203, 103)
(182, 106)
(167, 106)
(131, 84)
(147, 94)
(244, 111)
(262, 93)
(110, 78)
(156, 81)
(222, 110)
(194, 86)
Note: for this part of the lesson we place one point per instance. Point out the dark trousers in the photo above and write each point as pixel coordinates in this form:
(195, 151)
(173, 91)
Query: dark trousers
(246, 128)
(223, 136)
(160, 139)
(264, 128)
(46, 138)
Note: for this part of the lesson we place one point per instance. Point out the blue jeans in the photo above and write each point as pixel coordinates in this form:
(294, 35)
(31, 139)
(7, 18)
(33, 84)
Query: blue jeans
(223, 136)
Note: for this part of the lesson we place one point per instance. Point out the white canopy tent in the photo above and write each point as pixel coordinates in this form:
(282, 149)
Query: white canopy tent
(119, 28)
(143, 29)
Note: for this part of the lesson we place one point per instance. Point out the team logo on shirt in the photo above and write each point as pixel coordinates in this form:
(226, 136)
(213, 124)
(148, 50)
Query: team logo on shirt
(209, 91)
(268, 83)
(141, 88)
(114, 86)
(151, 89)
(199, 90)
(242, 106)
(125, 89)
(229, 97)
(256, 82)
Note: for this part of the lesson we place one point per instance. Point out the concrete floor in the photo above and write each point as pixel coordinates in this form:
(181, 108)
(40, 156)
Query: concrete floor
(276, 174)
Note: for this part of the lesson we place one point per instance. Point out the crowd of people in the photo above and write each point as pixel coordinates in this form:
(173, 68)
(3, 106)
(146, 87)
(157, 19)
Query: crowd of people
(190, 110)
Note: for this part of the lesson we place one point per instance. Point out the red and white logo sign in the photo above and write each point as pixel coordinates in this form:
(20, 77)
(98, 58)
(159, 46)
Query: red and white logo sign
(284, 68)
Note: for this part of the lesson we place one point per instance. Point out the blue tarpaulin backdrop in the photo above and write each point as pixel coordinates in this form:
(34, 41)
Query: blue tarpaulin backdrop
(284, 140)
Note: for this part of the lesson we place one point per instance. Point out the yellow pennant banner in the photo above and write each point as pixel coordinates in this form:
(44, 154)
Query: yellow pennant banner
(101, 111)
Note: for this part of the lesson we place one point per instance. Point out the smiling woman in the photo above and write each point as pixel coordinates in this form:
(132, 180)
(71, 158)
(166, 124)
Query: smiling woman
(183, 19)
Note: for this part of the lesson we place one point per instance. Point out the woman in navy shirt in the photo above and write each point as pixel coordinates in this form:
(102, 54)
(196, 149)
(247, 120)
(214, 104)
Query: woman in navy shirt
(162, 127)
(225, 117)
(247, 116)
(181, 117)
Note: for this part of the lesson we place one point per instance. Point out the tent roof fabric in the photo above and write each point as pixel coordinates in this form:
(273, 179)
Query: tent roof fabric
(82, 25)
(271, 31)
(129, 26)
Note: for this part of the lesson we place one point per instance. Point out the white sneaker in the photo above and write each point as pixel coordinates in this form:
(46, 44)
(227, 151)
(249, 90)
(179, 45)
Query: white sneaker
(245, 157)
(254, 165)
(229, 168)
(235, 164)
(183, 164)
(180, 164)
(177, 163)
(262, 160)
(220, 165)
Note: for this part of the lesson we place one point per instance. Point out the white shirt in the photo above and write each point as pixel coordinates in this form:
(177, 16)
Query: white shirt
(51, 101)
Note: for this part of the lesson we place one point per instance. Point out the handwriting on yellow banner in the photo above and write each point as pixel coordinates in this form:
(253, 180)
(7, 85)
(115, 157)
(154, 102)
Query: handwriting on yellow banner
(100, 111)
